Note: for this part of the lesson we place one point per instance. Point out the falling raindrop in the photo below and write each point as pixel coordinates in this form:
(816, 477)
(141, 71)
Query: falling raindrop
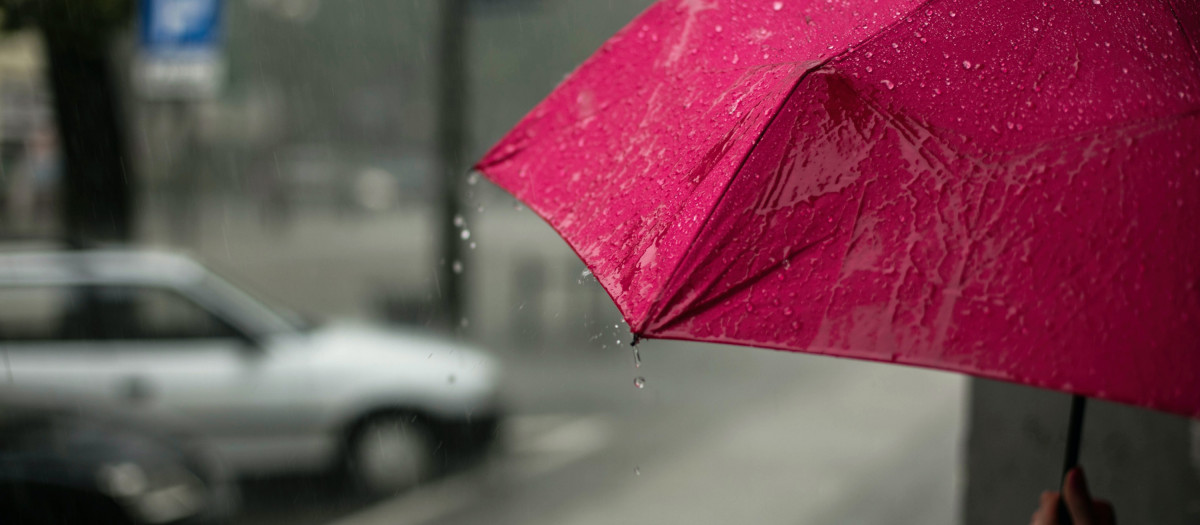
(466, 234)
(637, 471)
(457, 267)
(459, 221)
(639, 382)
(473, 178)
(472, 245)
(637, 357)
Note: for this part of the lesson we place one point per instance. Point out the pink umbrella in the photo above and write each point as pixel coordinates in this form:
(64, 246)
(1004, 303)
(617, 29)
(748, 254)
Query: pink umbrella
(1004, 188)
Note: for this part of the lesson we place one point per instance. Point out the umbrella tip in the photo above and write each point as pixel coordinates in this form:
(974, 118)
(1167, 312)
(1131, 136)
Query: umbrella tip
(636, 339)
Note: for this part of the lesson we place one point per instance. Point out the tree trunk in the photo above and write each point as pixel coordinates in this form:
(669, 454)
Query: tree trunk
(97, 187)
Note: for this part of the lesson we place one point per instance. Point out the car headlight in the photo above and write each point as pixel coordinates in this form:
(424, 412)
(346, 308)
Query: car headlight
(160, 495)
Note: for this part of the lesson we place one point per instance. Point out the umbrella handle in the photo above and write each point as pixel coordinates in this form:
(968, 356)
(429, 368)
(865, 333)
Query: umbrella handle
(1074, 432)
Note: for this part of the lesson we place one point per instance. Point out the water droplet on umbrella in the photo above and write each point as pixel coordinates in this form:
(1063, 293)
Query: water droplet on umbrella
(779, 5)
(966, 64)
(639, 382)
(888, 84)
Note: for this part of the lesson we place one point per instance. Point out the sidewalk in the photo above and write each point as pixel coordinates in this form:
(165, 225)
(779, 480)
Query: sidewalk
(864, 443)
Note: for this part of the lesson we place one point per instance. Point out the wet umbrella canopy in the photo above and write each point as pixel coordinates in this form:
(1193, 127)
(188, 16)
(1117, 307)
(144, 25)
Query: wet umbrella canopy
(1009, 189)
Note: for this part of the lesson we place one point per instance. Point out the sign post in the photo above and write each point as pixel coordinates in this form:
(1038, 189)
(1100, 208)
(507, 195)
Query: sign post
(179, 63)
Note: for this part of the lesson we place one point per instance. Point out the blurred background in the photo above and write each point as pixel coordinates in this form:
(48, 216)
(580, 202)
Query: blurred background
(366, 304)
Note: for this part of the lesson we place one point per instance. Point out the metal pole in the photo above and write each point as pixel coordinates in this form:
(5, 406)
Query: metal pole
(1071, 459)
(451, 142)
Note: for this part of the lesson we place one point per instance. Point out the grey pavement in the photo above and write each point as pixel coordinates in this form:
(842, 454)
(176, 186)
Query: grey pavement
(784, 439)
(718, 435)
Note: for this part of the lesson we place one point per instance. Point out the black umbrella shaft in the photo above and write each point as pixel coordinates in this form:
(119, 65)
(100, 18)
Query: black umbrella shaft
(1074, 432)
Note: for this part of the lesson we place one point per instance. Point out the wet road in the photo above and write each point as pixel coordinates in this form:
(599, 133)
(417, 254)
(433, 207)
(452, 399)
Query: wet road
(718, 435)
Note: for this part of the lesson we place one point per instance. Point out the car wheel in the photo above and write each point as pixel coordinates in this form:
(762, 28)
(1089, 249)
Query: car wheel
(390, 453)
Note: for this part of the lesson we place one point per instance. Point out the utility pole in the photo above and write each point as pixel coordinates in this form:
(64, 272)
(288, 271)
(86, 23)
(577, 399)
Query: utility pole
(451, 146)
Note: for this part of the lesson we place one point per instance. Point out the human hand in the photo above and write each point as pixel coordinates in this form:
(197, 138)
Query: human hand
(1084, 510)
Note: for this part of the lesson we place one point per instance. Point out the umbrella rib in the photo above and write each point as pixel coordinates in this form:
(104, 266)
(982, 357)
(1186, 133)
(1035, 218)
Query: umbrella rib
(658, 305)
(751, 281)
(1183, 31)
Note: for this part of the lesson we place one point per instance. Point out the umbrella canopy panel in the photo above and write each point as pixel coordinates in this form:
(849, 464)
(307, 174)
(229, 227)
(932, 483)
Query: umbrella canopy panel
(1006, 188)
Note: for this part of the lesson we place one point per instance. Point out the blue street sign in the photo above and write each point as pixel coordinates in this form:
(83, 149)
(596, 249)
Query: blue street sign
(170, 25)
(180, 49)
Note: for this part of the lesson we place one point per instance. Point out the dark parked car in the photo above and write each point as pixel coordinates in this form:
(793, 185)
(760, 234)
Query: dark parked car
(66, 462)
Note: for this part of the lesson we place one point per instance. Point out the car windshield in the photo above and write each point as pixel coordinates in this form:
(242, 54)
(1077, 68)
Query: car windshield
(250, 309)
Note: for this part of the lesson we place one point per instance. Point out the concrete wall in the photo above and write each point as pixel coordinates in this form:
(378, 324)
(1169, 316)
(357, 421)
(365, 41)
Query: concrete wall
(1143, 462)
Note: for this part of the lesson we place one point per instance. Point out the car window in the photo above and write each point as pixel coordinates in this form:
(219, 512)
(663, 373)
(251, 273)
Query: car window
(130, 312)
(46, 313)
(264, 315)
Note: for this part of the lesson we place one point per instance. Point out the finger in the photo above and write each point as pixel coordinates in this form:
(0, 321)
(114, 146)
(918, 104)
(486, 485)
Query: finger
(1045, 513)
(1104, 513)
(1079, 500)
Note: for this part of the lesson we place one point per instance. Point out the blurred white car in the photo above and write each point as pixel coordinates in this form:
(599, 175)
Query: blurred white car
(271, 393)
